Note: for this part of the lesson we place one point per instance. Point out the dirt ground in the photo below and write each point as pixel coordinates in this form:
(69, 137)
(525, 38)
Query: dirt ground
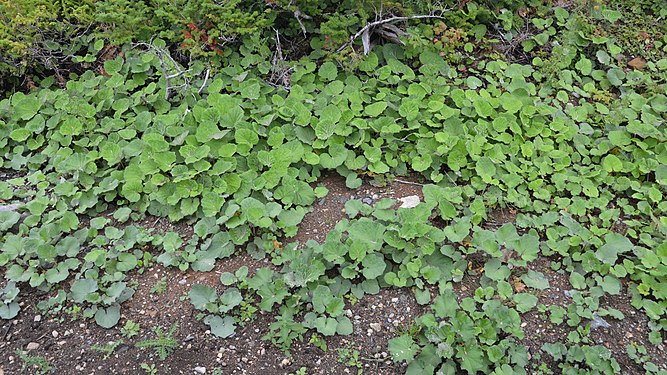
(67, 344)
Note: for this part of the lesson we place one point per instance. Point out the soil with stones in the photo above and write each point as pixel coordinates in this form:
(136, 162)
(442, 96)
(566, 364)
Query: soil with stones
(71, 345)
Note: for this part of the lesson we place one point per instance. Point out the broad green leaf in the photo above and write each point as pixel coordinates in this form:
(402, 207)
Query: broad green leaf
(614, 244)
(403, 348)
(524, 302)
(201, 295)
(107, 317)
(221, 327)
(328, 71)
(535, 279)
(374, 266)
(375, 109)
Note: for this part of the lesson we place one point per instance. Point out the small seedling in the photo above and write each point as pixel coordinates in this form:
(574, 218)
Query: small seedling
(164, 344)
(33, 363)
(160, 286)
(350, 357)
(130, 329)
(108, 348)
(318, 341)
(150, 369)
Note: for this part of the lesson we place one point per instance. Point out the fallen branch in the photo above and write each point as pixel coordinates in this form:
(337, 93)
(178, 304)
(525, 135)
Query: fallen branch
(160, 53)
(366, 29)
(407, 182)
(208, 73)
(298, 15)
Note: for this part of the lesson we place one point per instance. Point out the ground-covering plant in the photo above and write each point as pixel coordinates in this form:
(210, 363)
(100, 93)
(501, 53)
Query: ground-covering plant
(164, 344)
(568, 133)
(33, 363)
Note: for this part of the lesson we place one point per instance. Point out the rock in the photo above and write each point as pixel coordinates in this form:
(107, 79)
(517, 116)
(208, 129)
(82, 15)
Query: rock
(10, 207)
(321, 202)
(200, 370)
(598, 322)
(54, 334)
(367, 201)
(32, 346)
(377, 327)
(37, 318)
(409, 201)
(285, 362)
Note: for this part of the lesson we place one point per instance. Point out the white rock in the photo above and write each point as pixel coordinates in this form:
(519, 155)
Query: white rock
(409, 201)
(377, 327)
(32, 346)
(37, 318)
(200, 370)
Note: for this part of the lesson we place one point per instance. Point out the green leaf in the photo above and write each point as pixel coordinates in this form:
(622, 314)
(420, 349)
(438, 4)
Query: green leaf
(578, 281)
(328, 71)
(374, 266)
(614, 244)
(584, 65)
(322, 296)
(375, 109)
(201, 295)
(20, 134)
(8, 219)
(221, 327)
(230, 298)
(194, 153)
(486, 169)
(246, 137)
(27, 108)
(108, 317)
(9, 310)
(616, 76)
(611, 163)
(82, 288)
(113, 66)
(536, 280)
(403, 348)
(525, 302)
(368, 232)
(344, 326)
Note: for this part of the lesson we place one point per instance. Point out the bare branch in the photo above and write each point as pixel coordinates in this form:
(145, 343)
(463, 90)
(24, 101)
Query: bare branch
(298, 15)
(366, 29)
(208, 73)
(161, 53)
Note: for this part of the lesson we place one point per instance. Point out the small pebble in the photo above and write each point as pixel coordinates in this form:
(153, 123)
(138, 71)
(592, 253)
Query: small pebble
(32, 346)
(200, 370)
(376, 326)
(37, 318)
(409, 201)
